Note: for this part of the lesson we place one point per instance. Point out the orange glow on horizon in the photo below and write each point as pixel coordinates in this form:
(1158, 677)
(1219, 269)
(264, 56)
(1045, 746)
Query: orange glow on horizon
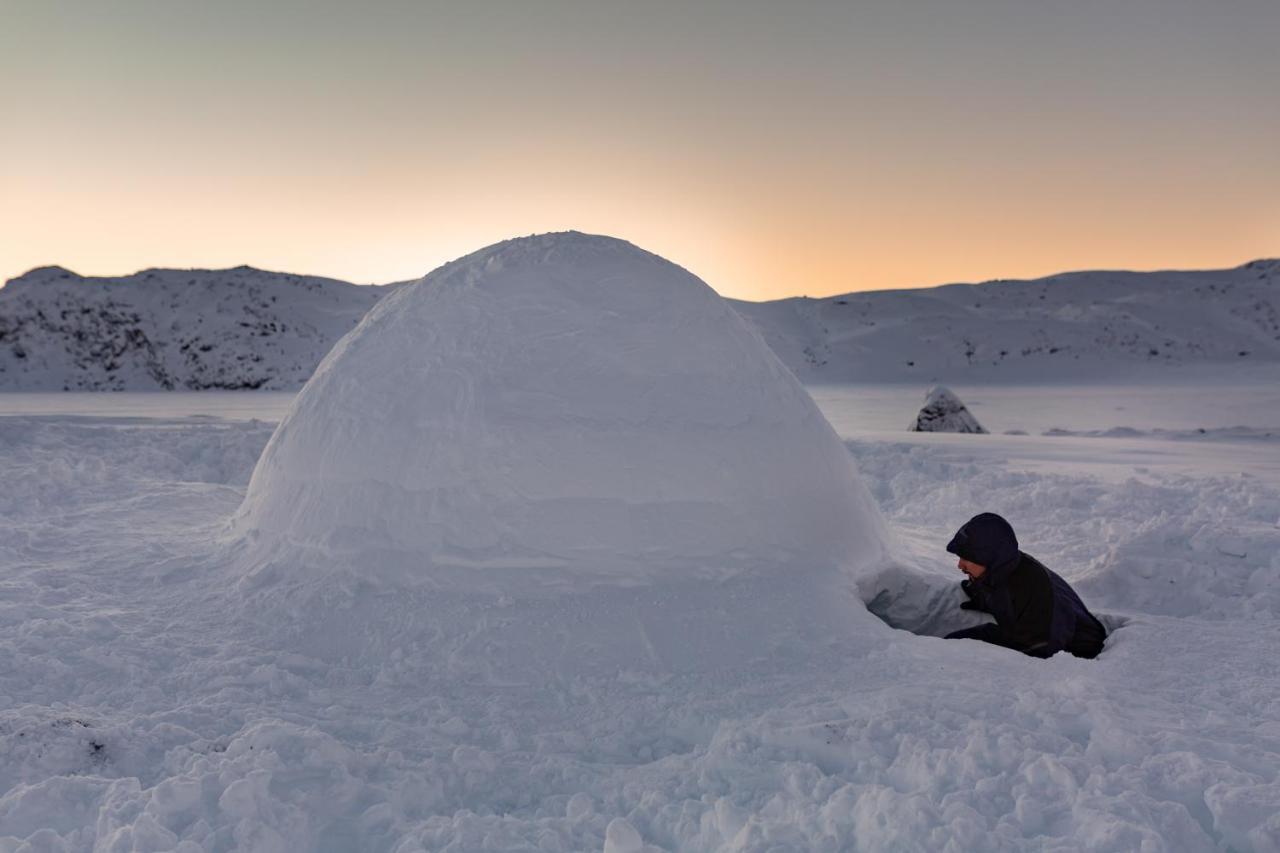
(771, 153)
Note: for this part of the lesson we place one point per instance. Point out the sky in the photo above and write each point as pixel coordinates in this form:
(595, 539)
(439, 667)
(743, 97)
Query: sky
(774, 149)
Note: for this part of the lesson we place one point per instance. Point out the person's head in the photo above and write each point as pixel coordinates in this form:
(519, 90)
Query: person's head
(984, 542)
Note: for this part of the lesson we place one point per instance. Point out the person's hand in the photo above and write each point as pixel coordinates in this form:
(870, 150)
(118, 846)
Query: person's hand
(973, 597)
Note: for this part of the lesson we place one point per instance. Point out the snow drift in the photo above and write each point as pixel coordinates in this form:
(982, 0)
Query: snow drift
(566, 415)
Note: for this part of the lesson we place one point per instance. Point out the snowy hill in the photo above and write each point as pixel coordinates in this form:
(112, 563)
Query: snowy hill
(246, 328)
(1074, 325)
(171, 329)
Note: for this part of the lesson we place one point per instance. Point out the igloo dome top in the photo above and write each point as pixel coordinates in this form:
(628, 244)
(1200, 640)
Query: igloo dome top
(560, 402)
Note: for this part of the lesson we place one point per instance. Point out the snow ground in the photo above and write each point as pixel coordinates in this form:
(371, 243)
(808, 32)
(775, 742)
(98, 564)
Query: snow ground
(135, 714)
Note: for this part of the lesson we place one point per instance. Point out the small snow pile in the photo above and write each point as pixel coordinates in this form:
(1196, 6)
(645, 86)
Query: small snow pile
(943, 412)
(564, 418)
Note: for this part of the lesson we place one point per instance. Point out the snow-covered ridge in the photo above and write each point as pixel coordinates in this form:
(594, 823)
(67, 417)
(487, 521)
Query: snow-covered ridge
(1074, 325)
(171, 329)
(247, 328)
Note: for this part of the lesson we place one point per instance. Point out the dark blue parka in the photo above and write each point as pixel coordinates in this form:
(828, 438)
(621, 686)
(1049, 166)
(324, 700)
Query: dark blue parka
(1037, 611)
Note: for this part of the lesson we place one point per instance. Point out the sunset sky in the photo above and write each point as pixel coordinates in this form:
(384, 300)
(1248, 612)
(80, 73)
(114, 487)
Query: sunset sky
(772, 148)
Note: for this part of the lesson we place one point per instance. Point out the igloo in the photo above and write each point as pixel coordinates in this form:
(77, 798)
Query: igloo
(579, 430)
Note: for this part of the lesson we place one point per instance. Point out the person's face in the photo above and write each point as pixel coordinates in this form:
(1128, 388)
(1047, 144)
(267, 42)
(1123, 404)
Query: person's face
(973, 570)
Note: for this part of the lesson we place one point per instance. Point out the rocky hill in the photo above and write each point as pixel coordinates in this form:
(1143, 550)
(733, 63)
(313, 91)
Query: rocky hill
(247, 328)
(171, 329)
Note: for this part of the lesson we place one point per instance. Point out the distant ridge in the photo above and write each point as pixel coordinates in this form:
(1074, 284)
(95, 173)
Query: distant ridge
(165, 329)
(1071, 325)
(244, 328)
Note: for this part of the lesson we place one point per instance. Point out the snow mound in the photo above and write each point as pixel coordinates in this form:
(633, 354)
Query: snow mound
(565, 414)
(943, 412)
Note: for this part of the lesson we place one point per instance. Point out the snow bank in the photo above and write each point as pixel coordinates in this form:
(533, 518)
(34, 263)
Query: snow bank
(943, 412)
(59, 466)
(564, 413)
(1165, 544)
(1234, 433)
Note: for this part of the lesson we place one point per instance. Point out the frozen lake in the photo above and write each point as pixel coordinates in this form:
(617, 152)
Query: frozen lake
(852, 409)
(228, 405)
(881, 413)
(1174, 428)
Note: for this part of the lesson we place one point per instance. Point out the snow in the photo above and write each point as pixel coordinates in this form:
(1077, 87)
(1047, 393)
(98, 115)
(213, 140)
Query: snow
(115, 630)
(166, 328)
(1095, 326)
(175, 682)
(943, 412)
(575, 431)
(247, 328)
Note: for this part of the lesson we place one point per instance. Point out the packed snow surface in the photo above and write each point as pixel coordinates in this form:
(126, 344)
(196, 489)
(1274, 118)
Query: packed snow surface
(562, 401)
(552, 415)
(943, 412)
(138, 713)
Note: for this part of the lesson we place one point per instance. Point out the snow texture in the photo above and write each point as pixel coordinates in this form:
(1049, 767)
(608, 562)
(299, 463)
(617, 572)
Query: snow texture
(1095, 325)
(570, 423)
(173, 683)
(171, 329)
(943, 412)
(137, 713)
(245, 328)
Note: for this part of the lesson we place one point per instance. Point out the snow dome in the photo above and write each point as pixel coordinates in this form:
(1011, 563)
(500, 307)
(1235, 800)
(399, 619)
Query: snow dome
(562, 412)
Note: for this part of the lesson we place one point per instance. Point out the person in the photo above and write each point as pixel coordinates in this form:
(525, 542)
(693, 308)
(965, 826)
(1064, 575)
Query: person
(1036, 612)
